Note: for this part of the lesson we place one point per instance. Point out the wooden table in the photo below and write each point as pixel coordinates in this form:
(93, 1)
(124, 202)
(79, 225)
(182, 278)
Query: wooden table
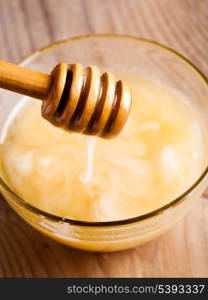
(27, 25)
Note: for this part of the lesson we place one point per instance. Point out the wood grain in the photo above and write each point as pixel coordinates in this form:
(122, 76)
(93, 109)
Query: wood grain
(26, 25)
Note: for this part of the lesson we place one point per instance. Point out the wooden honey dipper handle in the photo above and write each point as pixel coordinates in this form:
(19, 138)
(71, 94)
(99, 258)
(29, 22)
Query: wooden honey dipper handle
(24, 81)
(75, 98)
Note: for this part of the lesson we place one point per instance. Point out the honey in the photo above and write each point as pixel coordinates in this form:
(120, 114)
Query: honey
(158, 156)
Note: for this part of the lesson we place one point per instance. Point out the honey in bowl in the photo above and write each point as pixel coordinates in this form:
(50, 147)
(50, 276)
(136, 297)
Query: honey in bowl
(160, 154)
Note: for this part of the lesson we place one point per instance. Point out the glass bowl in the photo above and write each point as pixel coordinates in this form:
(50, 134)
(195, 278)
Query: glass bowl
(120, 54)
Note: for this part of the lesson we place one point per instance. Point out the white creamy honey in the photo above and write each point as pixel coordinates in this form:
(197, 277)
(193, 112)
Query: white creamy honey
(158, 156)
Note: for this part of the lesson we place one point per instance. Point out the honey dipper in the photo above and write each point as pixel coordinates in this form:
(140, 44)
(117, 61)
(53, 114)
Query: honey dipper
(75, 98)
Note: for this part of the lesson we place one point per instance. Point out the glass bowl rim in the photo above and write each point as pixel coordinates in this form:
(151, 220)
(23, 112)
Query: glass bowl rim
(132, 220)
